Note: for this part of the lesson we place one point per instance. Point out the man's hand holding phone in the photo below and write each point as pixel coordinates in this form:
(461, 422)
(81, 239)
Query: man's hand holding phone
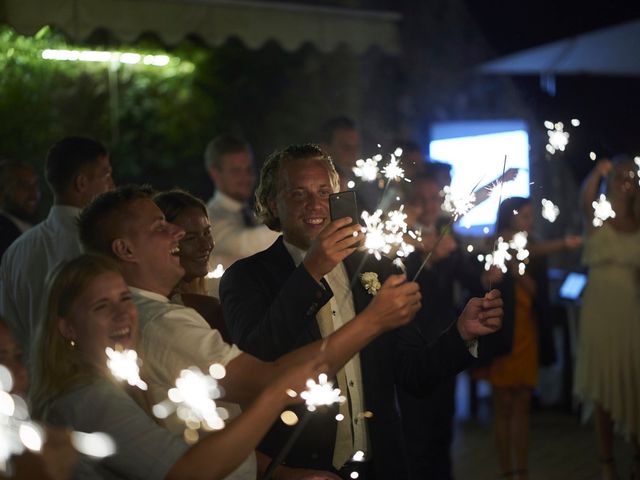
(339, 239)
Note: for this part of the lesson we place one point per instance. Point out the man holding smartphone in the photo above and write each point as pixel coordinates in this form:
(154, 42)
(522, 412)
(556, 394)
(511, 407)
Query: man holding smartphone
(306, 285)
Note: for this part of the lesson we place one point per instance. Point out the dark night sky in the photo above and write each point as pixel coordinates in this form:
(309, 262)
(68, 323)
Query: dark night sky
(608, 107)
(511, 25)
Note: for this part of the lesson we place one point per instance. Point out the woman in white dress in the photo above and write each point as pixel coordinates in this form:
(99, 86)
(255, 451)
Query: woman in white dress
(608, 364)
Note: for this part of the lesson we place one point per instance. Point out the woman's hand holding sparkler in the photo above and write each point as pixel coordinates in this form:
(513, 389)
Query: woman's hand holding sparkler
(333, 244)
(395, 304)
(481, 316)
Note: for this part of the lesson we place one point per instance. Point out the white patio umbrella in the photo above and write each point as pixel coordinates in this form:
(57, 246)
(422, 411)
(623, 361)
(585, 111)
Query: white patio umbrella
(609, 51)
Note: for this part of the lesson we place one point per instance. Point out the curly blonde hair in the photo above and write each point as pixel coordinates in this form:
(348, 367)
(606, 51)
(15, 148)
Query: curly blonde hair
(270, 177)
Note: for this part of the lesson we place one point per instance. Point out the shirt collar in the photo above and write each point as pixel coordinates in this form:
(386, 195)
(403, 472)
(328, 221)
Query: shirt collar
(297, 254)
(64, 215)
(149, 295)
(227, 202)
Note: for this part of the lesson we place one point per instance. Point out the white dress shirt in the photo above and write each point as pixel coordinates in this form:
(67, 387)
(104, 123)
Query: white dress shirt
(26, 265)
(233, 238)
(342, 311)
(172, 338)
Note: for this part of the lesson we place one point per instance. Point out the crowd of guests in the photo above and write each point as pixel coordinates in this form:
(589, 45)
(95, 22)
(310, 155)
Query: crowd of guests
(129, 267)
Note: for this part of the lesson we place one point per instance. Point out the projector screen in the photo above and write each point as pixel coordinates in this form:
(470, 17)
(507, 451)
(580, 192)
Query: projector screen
(476, 151)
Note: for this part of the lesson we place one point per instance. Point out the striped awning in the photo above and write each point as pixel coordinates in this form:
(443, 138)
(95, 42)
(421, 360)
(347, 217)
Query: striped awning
(214, 21)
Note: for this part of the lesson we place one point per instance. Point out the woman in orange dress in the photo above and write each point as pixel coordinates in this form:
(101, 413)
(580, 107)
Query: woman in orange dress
(524, 342)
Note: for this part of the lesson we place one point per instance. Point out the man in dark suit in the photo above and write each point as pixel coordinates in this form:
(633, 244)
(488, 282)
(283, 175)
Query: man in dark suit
(19, 195)
(309, 283)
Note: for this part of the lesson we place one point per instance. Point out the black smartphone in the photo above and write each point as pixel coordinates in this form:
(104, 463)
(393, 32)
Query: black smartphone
(344, 204)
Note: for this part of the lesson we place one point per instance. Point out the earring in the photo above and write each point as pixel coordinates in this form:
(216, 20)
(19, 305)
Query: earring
(72, 343)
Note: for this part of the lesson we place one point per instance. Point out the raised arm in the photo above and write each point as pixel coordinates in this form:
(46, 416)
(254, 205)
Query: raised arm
(395, 304)
(219, 453)
(590, 188)
(549, 247)
(270, 305)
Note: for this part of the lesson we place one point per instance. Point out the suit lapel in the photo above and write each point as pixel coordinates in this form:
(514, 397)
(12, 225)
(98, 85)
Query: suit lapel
(356, 264)
(282, 266)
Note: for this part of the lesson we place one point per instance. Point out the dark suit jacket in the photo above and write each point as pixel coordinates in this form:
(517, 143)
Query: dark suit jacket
(8, 233)
(500, 343)
(270, 306)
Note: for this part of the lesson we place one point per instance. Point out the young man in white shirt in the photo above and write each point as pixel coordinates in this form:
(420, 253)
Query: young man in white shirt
(230, 165)
(76, 169)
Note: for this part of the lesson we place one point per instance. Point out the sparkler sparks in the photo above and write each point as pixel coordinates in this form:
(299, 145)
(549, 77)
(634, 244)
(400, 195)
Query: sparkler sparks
(393, 170)
(602, 210)
(16, 430)
(96, 444)
(550, 211)
(383, 236)
(321, 393)
(498, 258)
(125, 366)
(558, 138)
(367, 170)
(502, 253)
(192, 399)
(457, 203)
(316, 395)
(217, 272)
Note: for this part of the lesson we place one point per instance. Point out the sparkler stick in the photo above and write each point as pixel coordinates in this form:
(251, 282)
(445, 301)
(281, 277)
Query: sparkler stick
(445, 230)
(316, 395)
(278, 459)
(456, 214)
(495, 241)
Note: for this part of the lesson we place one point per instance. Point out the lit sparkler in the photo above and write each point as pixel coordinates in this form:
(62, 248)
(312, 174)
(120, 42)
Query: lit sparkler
(193, 401)
(499, 257)
(636, 160)
(456, 203)
(216, 272)
(393, 170)
(96, 444)
(316, 395)
(502, 253)
(497, 247)
(558, 138)
(602, 210)
(17, 432)
(124, 364)
(321, 393)
(367, 170)
(550, 211)
(383, 236)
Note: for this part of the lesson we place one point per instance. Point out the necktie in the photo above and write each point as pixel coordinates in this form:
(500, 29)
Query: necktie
(344, 435)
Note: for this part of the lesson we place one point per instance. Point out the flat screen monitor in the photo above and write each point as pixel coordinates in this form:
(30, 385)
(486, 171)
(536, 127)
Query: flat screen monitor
(476, 151)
